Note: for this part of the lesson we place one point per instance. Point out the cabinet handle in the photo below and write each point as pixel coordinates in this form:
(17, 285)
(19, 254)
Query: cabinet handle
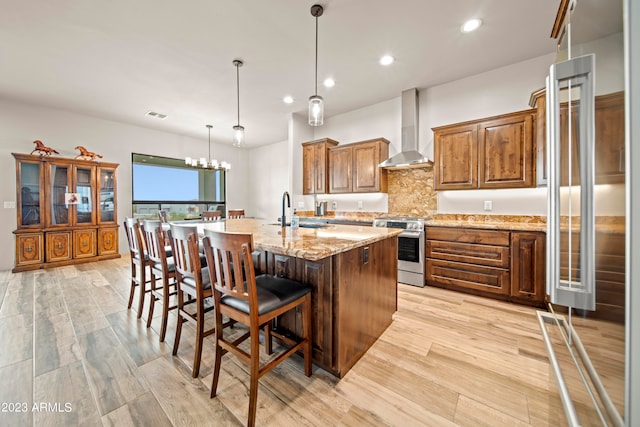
(59, 245)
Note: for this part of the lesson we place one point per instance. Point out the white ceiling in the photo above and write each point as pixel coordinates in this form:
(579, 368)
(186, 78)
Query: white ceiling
(119, 59)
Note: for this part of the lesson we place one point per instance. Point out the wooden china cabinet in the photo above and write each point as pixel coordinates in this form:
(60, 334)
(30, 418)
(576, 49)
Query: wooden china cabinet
(66, 211)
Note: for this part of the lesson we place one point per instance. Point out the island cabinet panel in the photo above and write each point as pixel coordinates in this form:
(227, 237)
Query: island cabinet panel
(496, 152)
(315, 166)
(71, 204)
(500, 264)
(354, 295)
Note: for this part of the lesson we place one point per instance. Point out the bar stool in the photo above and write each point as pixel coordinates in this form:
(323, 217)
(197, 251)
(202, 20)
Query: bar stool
(255, 302)
(211, 215)
(139, 261)
(235, 213)
(163, 267)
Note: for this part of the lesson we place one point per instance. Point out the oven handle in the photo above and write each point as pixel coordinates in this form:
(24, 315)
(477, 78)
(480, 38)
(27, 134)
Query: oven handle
(414, 234)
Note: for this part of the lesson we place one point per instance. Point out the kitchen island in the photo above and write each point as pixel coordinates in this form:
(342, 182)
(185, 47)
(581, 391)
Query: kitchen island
(352, 271)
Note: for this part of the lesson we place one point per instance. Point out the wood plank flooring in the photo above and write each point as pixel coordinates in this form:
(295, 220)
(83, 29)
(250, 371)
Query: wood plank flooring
(70, 347)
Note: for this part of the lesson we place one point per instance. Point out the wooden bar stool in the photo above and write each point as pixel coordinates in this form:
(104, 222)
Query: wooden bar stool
(163, 267)
(139, 262)
(211, 215)
(255, 302)
(235, 213)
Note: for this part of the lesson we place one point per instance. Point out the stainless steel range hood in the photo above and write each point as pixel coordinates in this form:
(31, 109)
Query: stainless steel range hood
(408, 157)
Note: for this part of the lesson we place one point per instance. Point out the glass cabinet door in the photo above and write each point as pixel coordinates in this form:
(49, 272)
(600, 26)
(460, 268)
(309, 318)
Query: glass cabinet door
(60, 179)
(107, 207)
(85, 212)
(29, 213)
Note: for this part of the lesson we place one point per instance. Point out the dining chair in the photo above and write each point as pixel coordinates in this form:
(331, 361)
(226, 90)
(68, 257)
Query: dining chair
(211, 215)
(163, 267)
(254, 302)
(162, 215)
(193, 280)
(235, 213)
(140, 262)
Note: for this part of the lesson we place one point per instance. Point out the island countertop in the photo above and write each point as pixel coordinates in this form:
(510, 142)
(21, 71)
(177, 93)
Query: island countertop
(308, 243)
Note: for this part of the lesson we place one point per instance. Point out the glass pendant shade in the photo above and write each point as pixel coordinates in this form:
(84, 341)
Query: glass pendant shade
(238, 135)
(316, 110)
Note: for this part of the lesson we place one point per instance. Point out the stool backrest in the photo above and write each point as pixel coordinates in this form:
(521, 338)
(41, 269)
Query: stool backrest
(155, 248)
(235, 213)
(134, 236)
(185, 256)
(211, 215)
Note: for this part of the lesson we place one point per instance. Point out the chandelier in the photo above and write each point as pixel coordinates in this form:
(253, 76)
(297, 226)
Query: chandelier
(207, 163)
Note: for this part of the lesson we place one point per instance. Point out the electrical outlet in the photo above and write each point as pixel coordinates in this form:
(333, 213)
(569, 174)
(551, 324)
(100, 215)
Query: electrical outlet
(334, 205)
(360, 204)
(488, 205)
(9, 205)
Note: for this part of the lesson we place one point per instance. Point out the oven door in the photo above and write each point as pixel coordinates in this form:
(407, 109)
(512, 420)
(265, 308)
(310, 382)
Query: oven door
(411, 251)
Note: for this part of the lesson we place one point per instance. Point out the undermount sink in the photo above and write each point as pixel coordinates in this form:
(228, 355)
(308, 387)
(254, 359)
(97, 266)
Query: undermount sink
(304, 225)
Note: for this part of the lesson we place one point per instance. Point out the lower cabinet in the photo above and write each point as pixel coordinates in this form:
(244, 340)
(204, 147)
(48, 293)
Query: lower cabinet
(508, 265)
(55, 248)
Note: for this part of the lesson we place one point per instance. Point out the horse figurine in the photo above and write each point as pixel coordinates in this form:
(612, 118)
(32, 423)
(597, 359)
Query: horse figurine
(43, 149)
(86, 154)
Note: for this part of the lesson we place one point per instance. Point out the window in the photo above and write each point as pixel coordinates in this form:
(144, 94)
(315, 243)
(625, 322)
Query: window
(184, 192)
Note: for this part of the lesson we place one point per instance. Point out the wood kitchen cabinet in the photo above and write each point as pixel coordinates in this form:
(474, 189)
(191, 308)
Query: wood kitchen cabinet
(496, 152)
(354, 168)
(51, 229)
(609, 138)
(315, 166)
(502, 264)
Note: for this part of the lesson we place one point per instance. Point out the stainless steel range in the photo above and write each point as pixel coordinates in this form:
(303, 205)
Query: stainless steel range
(410, 248)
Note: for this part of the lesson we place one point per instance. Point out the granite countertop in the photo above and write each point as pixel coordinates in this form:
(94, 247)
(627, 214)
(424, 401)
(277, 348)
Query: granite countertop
(308, 243)
(490, 222)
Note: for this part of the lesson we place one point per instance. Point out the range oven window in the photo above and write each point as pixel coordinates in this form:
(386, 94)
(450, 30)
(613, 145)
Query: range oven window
(408, 249)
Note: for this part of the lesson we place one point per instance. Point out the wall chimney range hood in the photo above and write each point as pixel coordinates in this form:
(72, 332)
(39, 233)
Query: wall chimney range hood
(408, 157)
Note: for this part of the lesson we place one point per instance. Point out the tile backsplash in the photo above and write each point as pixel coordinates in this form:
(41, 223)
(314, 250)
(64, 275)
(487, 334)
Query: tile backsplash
(411, 192)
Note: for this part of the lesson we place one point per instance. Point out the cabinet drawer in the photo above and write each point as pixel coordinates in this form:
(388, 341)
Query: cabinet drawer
(29, 249)
(84, 243)
(491, 256)
(469, 235)
(58, 246)
(468, 276)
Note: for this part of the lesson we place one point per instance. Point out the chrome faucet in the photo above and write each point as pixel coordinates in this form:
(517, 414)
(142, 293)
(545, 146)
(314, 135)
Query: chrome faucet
(283, 218)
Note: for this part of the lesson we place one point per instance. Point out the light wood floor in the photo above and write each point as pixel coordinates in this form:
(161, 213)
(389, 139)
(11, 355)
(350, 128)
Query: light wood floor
(70, 347)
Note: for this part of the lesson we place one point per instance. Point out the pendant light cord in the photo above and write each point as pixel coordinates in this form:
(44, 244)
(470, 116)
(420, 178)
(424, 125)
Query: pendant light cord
(238, 89)
(209, 127)
(316, 55)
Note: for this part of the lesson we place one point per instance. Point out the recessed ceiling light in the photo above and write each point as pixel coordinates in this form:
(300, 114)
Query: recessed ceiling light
(287, 99)
(387, 60)
(471, 25)
(329, 82)
(156, 115)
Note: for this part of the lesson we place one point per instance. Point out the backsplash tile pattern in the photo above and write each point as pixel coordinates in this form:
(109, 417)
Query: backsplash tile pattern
(411, 192)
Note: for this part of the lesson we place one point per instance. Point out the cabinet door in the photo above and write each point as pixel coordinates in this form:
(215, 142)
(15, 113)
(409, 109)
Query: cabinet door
(30, 194)
(60, 189)
(29, 249)
(610, 153)
(108, 206)
(366, 174)
(505, 151)
(320, 168)
(84, 243)
(58, 246)
(528, 266)
(308, 169)
(84, 180)
(107, 241)
(340, 170)
(456, 158)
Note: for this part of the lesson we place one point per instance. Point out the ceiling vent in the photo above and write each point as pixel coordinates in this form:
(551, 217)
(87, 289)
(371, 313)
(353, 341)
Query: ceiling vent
(156, 115)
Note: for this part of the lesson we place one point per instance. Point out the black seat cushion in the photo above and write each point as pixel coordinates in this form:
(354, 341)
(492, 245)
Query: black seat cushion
(273, 292)
(190, 282)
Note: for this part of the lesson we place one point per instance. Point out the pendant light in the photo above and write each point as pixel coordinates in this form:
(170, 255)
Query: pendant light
(238, 131)
(207, 163)
(316, 103)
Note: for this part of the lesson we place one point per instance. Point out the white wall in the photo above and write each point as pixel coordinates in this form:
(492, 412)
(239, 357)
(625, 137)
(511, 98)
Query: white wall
(21, 124)
(268, 167)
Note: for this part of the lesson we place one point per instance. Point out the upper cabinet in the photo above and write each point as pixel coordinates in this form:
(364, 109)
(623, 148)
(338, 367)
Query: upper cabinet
(609, 139)
(495, 152)
(66, 211)
(354, 168)
(315, 177)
